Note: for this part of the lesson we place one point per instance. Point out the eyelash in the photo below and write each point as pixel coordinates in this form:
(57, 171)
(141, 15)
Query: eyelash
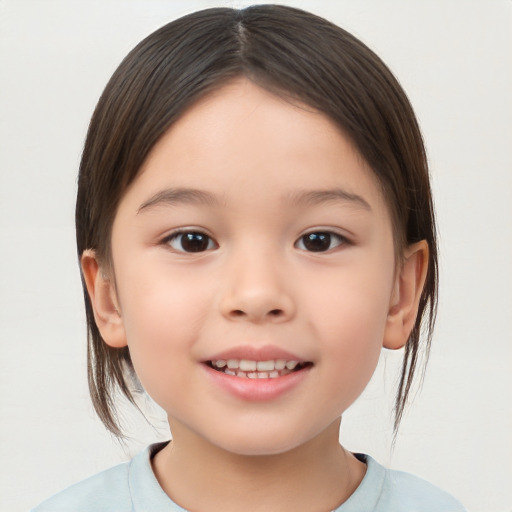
(179, 236)
(201, 238)
(322, 237)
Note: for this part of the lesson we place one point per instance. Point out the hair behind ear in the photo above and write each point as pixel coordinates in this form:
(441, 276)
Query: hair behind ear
(415, 348)
(108, 363)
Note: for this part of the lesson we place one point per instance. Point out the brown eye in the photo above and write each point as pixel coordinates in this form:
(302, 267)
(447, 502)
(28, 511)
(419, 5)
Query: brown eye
(319, 241)
(191, 241)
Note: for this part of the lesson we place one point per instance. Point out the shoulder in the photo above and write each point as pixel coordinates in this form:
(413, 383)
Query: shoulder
(106, 491)
(127, 487)
(387, 490)
(417, 494)
(401, 491)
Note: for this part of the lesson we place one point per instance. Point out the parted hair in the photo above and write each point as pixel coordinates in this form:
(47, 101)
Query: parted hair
(291, 53)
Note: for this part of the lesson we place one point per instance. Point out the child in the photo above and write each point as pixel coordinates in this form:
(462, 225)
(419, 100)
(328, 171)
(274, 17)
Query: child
(254, 223)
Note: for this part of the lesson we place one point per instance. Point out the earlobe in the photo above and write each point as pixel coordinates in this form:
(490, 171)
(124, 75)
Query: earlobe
(407, 291)
(103, 299)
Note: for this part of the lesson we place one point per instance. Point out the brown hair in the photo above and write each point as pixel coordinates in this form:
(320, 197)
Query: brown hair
(291, 53)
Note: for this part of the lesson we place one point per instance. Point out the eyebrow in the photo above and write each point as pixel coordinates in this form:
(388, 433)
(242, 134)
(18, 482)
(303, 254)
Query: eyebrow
(172, 196)
(316, 197)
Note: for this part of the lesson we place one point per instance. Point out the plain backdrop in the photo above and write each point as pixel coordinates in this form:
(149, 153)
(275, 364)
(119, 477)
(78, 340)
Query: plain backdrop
(454, 58)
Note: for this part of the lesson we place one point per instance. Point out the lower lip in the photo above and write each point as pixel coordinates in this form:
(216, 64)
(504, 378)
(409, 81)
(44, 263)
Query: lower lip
(257, 390)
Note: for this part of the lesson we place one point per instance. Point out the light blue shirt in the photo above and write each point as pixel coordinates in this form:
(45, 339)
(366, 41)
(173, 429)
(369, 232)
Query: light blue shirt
(133, 487)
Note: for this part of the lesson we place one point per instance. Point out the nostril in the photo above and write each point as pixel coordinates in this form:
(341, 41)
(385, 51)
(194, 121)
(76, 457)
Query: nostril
(238, 313)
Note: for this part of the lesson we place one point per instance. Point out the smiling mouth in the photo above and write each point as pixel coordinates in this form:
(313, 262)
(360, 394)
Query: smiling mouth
(250, 369)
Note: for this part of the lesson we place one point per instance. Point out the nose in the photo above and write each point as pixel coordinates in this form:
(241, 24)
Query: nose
(256, 291)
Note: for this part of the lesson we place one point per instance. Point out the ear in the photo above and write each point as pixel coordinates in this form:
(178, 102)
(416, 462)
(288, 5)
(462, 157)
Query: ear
(102, 295)
(406, 295)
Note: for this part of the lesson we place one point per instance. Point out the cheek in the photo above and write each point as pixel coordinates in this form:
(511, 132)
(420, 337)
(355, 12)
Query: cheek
(349, 317)
(162, 317)
(155, 295)
(352, 355)
(353, 301)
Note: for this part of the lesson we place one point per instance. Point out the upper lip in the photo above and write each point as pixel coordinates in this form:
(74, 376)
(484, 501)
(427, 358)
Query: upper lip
(256, 353)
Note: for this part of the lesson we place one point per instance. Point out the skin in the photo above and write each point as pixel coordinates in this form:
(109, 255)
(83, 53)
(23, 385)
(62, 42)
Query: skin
(256, 285)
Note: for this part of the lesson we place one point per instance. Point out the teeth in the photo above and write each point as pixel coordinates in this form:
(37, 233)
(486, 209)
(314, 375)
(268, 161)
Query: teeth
(247, 368)
(265, 366)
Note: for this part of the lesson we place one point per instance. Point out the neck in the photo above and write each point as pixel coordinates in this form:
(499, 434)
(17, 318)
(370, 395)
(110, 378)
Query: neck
(316, 476)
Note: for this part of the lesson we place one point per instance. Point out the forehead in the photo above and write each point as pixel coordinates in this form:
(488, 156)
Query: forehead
(243, 138)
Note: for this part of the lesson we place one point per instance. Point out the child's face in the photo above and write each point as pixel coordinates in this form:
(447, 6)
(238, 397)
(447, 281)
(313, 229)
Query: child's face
(284, 252)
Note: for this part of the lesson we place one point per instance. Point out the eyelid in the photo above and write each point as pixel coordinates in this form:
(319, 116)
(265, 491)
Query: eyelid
(184, 230)
(343, 239)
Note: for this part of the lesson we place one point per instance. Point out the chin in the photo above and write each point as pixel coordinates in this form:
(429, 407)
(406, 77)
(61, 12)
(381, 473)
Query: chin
(262, 442)
(258, 447)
